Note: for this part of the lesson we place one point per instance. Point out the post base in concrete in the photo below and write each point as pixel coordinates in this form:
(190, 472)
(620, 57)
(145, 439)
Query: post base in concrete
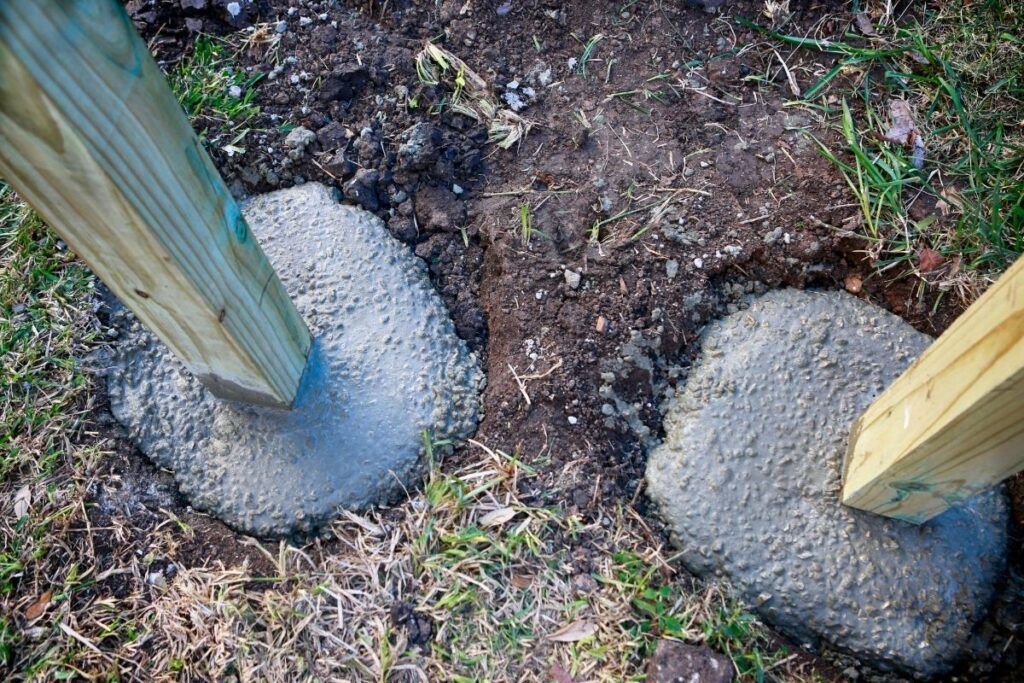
(386, 370)
(749, 476)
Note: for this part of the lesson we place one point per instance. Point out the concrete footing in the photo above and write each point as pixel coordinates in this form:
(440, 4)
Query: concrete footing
(386, 369)
(749, 475)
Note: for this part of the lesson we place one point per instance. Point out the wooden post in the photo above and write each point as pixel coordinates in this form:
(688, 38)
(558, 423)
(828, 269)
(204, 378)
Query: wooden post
(92, 137)
(953, 423)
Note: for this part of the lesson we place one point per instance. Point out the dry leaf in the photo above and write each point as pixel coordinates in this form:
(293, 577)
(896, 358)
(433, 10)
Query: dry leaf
(854, 283)
(560, 675)
(946, 201)
(904, 131)
(546, 179)
(929, 260)
(36, 609)
(918, 57)
(22, 501)
(571, 632)
(497, 517)
(864, 24)
(522, 580)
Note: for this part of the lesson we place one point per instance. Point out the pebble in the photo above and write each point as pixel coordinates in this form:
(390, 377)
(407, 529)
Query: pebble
(572, 278)
(300, 138)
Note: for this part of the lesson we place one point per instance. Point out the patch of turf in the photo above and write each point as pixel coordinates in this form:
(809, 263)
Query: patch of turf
(208, 84)
(45, 298)
(960, 67)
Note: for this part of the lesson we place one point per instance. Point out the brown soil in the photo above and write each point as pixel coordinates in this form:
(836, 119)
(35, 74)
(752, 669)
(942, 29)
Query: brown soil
(734, 198)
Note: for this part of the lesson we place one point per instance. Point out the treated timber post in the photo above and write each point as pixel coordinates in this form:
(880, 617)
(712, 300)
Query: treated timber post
(92, 137)
(953, 423)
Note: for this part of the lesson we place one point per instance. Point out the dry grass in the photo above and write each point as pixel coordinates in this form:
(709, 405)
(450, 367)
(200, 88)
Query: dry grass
(470, 95)
(497, 578)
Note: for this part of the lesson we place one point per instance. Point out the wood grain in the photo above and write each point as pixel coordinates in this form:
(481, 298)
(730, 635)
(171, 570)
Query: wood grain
(953, 424)
(92, 137)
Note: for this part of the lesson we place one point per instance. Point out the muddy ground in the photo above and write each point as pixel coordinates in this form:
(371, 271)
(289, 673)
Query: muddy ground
(583, 330)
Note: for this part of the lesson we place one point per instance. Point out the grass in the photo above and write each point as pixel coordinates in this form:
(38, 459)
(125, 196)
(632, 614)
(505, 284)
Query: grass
(588, 52)
(46, 323)
(960, 67)
(208, 85)
(525, 223)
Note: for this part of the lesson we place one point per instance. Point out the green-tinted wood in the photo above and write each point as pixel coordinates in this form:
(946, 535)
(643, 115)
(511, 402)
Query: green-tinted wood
(92, 137)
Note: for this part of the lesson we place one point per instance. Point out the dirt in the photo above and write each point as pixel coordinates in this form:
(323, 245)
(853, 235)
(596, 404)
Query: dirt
(734, 198)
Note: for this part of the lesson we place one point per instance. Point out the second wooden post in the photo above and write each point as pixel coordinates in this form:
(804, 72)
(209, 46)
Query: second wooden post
(953, 423)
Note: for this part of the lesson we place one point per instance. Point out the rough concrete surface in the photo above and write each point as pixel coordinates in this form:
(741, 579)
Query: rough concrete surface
(386, 366)
(749, 475)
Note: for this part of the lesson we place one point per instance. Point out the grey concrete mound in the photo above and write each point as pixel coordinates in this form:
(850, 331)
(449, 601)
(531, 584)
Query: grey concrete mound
(386, 366)
(749, 475)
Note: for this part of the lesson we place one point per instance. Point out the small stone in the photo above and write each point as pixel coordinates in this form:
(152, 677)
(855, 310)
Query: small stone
(676, 662)
(698, 262)
(572, 419)
(671, 268)
(572, 278)
(457, 189)
(773, 236)
(332, 136)
(300, 138)
(421, 146)
(853, 283)
(362, 189)
(281, 26)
